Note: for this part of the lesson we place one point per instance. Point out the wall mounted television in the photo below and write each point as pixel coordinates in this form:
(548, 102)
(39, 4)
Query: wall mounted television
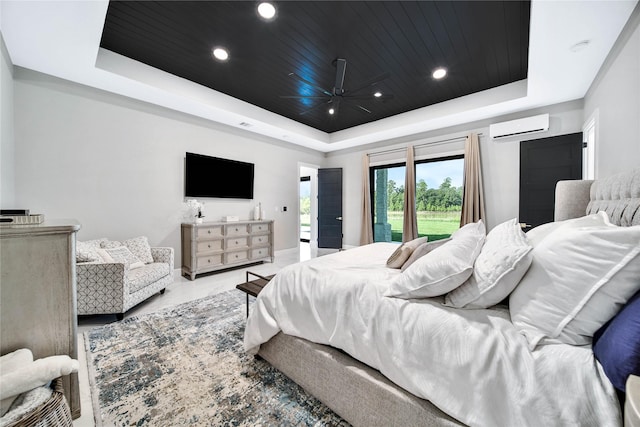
(207, 176)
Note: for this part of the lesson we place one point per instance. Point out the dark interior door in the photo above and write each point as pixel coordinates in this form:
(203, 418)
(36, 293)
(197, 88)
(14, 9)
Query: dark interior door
(330, 208)
(544, 162)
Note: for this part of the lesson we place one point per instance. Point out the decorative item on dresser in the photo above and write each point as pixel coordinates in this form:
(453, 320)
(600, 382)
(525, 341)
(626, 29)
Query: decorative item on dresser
(38, 290)
(213, 246)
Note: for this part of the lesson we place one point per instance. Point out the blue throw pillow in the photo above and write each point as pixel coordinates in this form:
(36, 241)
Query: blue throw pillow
(616, 345)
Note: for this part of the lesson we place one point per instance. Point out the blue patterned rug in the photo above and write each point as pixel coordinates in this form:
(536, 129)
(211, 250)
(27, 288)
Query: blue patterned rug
(186, 366)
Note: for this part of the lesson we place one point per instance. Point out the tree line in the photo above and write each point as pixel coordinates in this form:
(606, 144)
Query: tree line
(446, 198)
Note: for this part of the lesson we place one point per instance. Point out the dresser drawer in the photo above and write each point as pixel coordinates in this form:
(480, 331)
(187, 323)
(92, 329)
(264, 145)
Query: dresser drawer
(233, 257)
(208, 261)
(260, 253)
(237, 242)
(237, 230)
(208, 246)
(259, 228)
(208, 232)
(260, 240)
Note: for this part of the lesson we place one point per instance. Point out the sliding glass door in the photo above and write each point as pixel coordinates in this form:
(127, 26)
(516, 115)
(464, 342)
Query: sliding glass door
(387, 202)
(439, 196)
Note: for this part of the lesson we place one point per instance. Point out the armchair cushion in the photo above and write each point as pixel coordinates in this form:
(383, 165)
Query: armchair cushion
(141, 277)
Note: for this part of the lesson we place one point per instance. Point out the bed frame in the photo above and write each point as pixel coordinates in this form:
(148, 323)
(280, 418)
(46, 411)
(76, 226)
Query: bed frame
(364, 397)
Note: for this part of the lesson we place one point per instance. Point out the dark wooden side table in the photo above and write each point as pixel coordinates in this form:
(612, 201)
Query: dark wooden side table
(253, 287)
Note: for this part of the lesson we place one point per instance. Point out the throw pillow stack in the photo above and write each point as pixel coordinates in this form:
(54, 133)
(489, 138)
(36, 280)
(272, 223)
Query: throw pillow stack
(133, 253)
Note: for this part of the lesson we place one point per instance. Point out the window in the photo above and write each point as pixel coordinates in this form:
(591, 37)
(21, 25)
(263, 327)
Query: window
(438, 198)
(387, 202)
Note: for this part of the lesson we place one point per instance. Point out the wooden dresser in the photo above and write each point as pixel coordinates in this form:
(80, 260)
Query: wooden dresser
(213, 246)
(38, 293)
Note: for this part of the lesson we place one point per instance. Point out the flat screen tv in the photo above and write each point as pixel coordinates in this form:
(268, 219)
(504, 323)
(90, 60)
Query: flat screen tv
(207, 176)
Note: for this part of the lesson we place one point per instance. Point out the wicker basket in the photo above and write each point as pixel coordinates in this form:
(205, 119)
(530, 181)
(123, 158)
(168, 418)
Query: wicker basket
(52, 413)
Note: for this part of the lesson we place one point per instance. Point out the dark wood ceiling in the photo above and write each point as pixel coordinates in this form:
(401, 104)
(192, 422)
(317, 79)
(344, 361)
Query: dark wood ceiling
(483, 44)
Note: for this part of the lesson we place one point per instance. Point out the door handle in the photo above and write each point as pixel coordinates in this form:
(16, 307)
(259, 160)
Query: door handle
(339, 218)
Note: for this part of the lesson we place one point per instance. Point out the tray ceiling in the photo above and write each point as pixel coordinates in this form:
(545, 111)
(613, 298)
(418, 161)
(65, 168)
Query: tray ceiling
(482, 45)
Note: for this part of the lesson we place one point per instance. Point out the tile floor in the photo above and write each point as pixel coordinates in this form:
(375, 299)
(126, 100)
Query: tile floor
(182, 290)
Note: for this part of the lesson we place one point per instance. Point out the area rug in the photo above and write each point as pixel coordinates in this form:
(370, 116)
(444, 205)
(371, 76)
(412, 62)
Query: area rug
(186, 366)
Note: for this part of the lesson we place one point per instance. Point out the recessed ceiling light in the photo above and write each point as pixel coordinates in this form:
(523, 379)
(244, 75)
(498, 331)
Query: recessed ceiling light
(266, 10)
(331, 111)
(580, 46)
(377, 94)
(221, 53)
(439, 73)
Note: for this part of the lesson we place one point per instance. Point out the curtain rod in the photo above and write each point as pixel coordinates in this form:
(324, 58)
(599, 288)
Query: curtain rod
(444, 141)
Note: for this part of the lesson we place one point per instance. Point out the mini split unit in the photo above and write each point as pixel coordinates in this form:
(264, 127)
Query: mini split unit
(519, 127)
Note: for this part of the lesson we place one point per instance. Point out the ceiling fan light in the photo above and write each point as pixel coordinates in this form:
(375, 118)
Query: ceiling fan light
(267, 10)
(439, 73)
(221, 54)
(331, 111)
(377, 94)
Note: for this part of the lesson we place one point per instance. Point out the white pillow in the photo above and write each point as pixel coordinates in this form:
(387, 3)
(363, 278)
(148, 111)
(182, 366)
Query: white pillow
(122, 255)
(580, 277)
(443, 269)
(402, 254)
(539, 233)
(87, 251)
(505, 257)
(140, 247)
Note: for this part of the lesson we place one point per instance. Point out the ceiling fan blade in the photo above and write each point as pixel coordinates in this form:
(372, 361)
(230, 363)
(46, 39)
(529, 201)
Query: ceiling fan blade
(308, 83)
(302, 97)
(371, 97)
(341, 69)
(357, 107)
(315, 107)
(369, 83)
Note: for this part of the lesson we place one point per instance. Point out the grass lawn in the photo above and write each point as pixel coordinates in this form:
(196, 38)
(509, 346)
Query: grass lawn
(436, 225)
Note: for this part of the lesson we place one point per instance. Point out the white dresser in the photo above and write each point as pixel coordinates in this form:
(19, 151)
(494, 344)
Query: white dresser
(213, 246)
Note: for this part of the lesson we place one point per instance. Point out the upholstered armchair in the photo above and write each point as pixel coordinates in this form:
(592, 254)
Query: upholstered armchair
(105, 287)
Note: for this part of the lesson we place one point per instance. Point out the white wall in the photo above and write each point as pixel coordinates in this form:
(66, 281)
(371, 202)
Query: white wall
(117, 165)
(615, 93)
(500, 163)
(7, 145)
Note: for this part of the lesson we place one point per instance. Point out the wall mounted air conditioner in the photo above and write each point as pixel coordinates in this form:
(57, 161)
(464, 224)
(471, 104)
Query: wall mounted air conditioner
(519, 127)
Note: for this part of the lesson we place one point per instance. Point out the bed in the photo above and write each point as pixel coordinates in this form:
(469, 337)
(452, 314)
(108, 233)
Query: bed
(333, 325)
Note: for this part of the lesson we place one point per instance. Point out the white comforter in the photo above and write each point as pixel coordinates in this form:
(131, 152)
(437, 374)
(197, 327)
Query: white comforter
(472, 364)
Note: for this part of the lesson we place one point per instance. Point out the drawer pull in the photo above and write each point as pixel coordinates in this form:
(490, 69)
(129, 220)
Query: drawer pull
(209, 261)
(260, 239)
(209, 246)
(236, 228)
(236, 242)
(236, 255)
(209, 231)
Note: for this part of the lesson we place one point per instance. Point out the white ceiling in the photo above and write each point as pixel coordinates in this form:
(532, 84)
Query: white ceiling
(62, 38)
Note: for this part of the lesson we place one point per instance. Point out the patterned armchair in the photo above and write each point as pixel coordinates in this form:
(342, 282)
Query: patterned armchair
(113, 287)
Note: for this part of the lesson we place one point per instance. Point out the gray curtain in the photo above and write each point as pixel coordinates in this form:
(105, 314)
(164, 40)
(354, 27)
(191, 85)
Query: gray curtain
(472, 197)
(366, 230)
(410, 223)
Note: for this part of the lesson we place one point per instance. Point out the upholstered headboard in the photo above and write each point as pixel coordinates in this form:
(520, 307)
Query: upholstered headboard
(618, 195)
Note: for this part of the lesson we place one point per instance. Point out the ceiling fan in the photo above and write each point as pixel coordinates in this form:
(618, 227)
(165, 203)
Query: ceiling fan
(334, 98)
